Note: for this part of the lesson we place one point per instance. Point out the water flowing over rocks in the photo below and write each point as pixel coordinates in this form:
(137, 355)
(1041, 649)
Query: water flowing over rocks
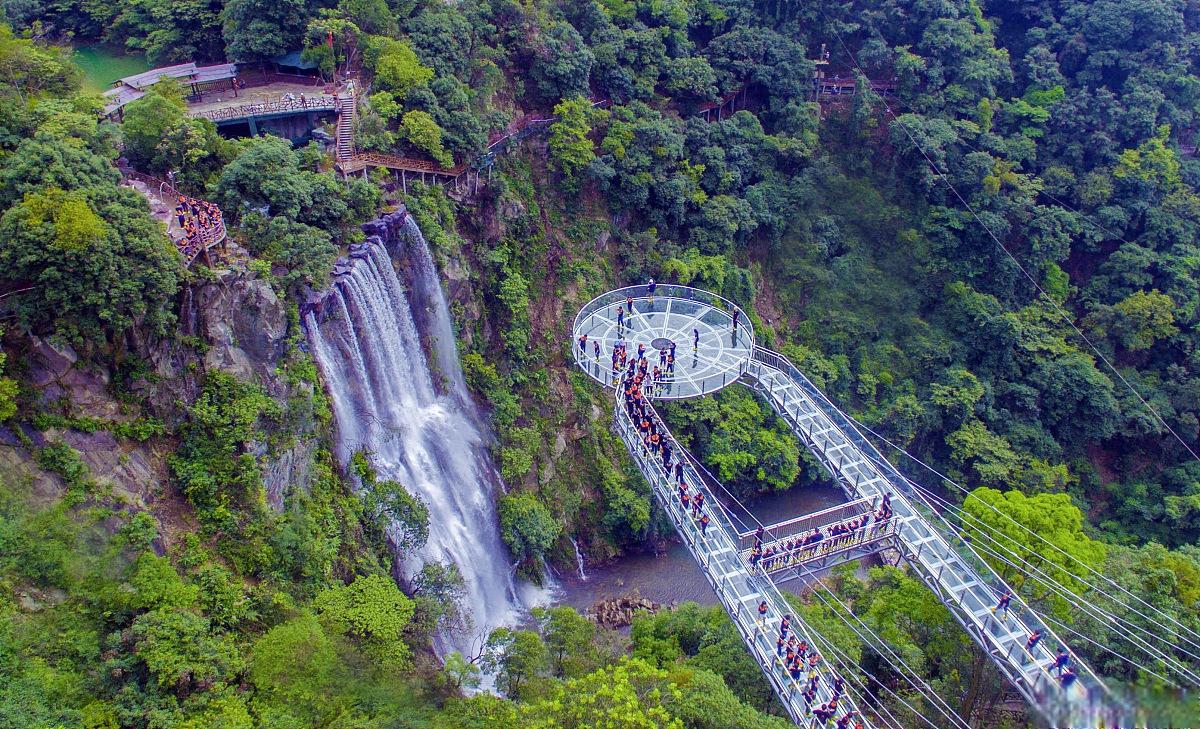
(383, 338)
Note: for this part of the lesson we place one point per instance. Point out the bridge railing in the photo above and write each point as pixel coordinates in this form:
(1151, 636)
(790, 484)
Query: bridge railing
(586, 320)
(321, 102)
(1042, 685)
(873, 533)
(714, 550)
(807, 522)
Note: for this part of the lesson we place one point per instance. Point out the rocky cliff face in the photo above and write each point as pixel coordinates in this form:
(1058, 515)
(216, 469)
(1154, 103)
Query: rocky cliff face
(236, 324)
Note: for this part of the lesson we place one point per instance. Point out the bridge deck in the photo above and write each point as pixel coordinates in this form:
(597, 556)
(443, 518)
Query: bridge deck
(740, 592)
(939, 557)
(961, 579)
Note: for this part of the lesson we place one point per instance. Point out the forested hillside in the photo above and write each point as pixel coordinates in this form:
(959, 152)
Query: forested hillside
(991, 262)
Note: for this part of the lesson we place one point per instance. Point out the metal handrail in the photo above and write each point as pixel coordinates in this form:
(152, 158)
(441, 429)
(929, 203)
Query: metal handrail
(744, 336)
(877, 531)
(677, 291)
(1044, 682)
(722, 533)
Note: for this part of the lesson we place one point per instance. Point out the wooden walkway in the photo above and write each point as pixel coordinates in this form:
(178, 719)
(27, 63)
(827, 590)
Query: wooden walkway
(163, 197)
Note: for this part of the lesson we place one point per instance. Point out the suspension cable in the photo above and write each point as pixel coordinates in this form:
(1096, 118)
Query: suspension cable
(884, 649)
(1185, 630)
(1038, 574)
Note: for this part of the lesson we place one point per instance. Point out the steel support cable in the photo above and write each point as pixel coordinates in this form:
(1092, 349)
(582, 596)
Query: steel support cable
(1061, 312)
(1090, 610)
(993, 534)
(859, 677)
(909, 674)
(1090, 640)
(990, 532)
(620, 415)
(1106, 649)
(1021, 601)
(1184, 630)
(1095, 611)
(850, 671)
(854, 670)
(1069, 595)
(936, 700)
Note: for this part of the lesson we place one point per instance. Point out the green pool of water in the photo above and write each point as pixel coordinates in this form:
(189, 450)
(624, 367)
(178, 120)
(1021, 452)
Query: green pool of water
(104, 64)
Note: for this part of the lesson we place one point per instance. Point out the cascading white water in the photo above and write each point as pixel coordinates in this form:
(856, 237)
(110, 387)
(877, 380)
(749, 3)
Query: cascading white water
(578, 559)
(369, 351)
(428, 290)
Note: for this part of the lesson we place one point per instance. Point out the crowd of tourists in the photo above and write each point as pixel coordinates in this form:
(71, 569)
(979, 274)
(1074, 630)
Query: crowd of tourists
(784, 553)
(799, 662)
(199, 221)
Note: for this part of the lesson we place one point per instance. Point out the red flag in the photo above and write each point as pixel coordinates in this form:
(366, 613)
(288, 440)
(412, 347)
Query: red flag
(329, 40)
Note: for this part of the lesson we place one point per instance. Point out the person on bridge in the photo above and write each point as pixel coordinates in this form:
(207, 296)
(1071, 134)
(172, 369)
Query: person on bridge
(848, 721)
(737, 313)
(641, 352)
(679, 470)
(795, 669)
(704, 521)
(695, 340)
(810, 695)
(650, 287)
(1034, 638)
(779, 645)
(1068, 677)
(629, 304)
(670, 366)
(582, 344)
(826, 712)
(1005, 601)
(839, 686)
(596, 348)
(762, 613)
(784, 624)
(1061, 660)
(620, 318)
(699, 502)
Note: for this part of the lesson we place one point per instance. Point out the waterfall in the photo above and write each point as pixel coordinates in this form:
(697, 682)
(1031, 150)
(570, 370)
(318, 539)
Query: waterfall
(578, 559)
(427, 288)
(367, 344)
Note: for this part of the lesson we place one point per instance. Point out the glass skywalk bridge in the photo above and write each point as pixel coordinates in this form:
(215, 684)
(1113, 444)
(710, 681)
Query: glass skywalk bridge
(710, 353)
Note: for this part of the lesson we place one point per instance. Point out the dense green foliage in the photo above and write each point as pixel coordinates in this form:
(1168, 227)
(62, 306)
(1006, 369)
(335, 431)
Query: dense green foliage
(1066, 131)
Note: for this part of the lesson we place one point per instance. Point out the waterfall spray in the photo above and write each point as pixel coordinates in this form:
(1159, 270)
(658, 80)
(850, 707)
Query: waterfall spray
(427, 438)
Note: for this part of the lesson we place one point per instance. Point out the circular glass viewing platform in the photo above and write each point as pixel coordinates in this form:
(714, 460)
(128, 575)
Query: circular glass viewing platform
(710, 352)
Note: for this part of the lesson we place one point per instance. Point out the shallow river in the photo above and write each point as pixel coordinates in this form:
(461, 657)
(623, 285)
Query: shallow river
(673, 575)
